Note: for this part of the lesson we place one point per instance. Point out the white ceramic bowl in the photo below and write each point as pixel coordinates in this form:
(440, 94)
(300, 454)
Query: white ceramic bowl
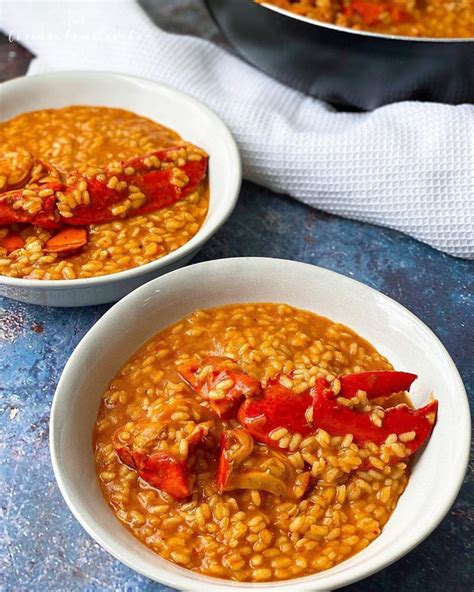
(161, 103)
(395, 332)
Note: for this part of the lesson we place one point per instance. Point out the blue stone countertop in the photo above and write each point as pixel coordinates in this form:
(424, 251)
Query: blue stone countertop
(42, 547)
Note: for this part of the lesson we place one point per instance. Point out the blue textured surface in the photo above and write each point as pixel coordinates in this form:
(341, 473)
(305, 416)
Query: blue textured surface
(44, 548)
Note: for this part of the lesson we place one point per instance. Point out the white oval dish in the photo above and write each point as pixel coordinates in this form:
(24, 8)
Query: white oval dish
(163, 104)
(437, 474)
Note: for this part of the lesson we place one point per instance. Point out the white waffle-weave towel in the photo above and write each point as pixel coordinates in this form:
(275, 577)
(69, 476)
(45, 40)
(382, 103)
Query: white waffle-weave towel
(408, 166)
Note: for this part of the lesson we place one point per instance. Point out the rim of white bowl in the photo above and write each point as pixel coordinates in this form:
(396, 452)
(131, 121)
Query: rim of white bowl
(303, 584)
(202, 235)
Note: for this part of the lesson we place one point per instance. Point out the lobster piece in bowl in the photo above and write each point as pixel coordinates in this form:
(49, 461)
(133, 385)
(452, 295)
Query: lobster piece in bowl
(243, 465)
(221, 381)
(144, 447)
